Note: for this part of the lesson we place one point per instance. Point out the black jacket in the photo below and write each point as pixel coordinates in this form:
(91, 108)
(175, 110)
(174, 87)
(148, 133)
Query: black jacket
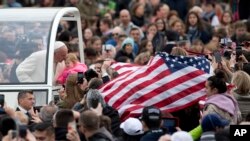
(115, 120)
(60, 133)
(99, 137)
(139, 21)
(152, 135)
(121, 53)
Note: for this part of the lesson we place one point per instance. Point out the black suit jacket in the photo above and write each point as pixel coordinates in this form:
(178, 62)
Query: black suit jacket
(29, 116)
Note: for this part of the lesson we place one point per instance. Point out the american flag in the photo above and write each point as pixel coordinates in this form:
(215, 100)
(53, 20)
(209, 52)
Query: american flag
(168, 82)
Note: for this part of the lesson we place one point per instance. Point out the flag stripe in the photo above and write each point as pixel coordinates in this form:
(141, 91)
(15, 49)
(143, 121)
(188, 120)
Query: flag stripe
(174, 81)
(138, 86)
(127, 110)
(116, 87)
(123, 69)
(134, 82)
(119, 65)
(135, 111)
(184, 100)
(110, 84)
(180, 95)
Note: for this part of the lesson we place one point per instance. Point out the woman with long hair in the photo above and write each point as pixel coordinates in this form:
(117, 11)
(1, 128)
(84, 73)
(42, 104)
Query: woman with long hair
(137, 14)
(179, 27)
(146, 45)
(241, 80)
(226, 19)
(195, 28)
(74, 91)
(155, 37)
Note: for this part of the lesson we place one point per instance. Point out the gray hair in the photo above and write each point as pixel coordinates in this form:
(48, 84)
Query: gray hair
(94, 94)
(47, 112)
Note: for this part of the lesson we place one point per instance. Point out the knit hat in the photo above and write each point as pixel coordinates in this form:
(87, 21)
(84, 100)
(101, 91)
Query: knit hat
(211, 121)
(132, 126)
(93, 98)
(128, 41)
(181, 136)
(58, 44)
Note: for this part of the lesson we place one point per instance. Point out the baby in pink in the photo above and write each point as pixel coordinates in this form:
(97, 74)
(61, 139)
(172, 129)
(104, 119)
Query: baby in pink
(72, 66)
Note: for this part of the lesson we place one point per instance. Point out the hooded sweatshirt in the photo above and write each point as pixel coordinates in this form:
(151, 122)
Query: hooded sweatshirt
(225, 103)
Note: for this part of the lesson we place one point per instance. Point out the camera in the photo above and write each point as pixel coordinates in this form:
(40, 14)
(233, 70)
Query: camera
(238, 53)
(217, 56)
(56, 99)
(2, 100)
(2, 111)
(80, 77)
(37, 108)
(17, 130)
(20, 132)
(170, 124)
(226, 42)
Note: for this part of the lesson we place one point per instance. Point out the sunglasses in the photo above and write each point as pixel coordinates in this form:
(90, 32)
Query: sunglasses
(247, 44)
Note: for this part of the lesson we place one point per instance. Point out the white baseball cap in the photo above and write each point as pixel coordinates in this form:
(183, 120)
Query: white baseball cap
(181, 136)
(132, 126)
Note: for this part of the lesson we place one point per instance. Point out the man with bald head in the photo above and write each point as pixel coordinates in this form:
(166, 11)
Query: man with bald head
(125, 20)
(33, 68)
(126, 23)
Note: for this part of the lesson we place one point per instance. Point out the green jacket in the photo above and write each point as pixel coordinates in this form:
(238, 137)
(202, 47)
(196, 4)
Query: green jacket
(196, 133)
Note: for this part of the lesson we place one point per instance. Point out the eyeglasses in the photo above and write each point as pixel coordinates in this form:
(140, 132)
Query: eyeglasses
(115, 34)
(159, 22)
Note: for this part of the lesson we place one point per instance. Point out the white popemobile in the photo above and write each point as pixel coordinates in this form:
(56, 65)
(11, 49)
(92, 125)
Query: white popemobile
(20, 27)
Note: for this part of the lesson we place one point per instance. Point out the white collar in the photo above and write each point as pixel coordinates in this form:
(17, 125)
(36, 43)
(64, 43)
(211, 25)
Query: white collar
(22, 109)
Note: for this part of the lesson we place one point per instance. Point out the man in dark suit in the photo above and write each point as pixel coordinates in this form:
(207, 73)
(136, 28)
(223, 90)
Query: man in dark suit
(26, 100)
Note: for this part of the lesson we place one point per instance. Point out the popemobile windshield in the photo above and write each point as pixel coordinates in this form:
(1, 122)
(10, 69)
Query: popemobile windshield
(23, 32)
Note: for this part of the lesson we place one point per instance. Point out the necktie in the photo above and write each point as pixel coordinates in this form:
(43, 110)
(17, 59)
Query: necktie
(29, 115)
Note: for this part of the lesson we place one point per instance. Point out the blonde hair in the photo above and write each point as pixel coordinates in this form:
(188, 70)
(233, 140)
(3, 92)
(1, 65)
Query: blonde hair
(71, 57)
(142, 58)
(242, 81)
(197, 46)
(177, 51)
(211, 46)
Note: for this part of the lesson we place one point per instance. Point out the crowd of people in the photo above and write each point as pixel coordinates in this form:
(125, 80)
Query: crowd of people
(128, 31)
